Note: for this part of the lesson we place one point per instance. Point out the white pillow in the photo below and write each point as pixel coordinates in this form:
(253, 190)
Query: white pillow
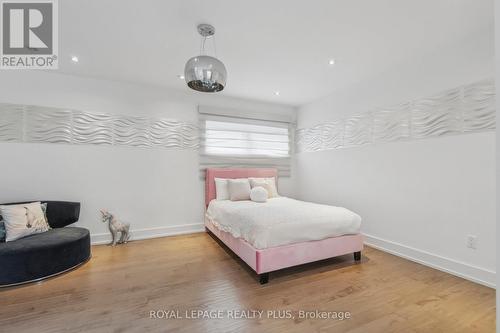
(271, 189)
(23, 220)
(258, 194)
(221, 190)
(263, 184)
(239, 189)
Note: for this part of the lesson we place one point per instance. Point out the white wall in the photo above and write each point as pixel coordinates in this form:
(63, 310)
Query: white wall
(419, 198)
(157, 190)
(497, 76)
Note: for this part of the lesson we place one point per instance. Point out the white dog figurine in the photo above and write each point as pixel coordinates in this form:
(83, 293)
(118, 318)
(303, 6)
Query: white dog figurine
(116, 227)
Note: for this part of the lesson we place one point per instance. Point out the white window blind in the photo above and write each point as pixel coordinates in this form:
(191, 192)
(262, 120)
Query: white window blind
(238, 141)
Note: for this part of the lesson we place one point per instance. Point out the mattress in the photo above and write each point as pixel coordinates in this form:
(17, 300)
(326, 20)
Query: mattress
(281, 221)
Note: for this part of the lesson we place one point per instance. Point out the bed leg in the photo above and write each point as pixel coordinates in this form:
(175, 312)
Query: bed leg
(264, 278)
(357, 256)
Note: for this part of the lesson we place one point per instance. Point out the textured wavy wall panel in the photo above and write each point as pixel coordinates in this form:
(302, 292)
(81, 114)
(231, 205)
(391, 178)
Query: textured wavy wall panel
(173, 134)
(358, 130)
(47, 125)
(11, 123)
(131, 131)
(96, 129)
(479, 106)
(310, 138)
(326, 136)
(437, 115)
(23, 123)
(332, 135)
(466, 109)
(392, 123)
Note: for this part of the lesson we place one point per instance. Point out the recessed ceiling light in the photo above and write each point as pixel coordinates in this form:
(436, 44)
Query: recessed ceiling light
(180, 76)
(331, 62)
(277, 93)
(74, 58)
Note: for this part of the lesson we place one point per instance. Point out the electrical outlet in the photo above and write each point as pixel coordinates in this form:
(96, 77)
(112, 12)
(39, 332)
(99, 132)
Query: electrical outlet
(471, 242)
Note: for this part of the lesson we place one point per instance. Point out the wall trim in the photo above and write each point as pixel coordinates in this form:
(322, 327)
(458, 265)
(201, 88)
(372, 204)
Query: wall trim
(469, 272)
(138, 234)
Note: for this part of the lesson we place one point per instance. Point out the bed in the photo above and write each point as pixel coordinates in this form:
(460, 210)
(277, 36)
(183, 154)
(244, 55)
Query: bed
(286, 243)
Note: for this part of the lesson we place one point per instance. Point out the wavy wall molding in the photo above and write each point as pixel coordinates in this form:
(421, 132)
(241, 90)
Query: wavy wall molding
(27, 123)
(466, 109)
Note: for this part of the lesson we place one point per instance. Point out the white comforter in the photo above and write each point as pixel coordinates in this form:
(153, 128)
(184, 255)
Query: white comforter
(281, 221)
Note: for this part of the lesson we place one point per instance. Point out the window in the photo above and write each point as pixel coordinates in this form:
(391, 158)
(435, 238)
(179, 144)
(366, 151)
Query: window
(236, 141)
(230, 138)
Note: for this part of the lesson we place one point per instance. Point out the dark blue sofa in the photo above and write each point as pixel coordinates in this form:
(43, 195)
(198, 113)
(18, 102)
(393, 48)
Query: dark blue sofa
(44, 255)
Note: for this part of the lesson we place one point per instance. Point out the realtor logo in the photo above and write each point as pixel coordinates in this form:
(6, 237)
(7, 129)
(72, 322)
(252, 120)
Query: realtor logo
(29, 34)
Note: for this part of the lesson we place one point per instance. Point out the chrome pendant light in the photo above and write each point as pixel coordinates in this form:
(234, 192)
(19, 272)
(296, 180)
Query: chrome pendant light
(205, 73)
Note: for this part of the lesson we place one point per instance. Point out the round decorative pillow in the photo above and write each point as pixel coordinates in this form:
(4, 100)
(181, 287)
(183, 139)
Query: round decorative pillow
(258, 194)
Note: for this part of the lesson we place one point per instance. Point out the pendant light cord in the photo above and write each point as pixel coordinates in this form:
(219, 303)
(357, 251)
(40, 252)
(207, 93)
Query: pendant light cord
(215, 46)
(202, 45)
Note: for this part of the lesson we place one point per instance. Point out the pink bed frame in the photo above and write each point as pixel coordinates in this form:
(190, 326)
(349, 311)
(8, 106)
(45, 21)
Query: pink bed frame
(271, 259)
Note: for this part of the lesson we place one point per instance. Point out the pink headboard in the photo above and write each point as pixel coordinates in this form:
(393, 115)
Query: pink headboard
(233, 173)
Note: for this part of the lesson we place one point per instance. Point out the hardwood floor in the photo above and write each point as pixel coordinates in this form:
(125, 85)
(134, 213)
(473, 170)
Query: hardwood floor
(116, 290)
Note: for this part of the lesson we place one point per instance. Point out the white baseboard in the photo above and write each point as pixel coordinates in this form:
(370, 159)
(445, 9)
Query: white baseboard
(461, 269)
(138, 234)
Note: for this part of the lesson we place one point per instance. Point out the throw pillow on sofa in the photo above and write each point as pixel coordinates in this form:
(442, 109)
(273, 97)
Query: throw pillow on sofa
(23, 220)
(2, 231)
(2, 224)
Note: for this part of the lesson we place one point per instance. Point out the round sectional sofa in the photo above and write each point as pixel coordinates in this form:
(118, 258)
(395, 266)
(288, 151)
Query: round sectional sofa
(43, 255)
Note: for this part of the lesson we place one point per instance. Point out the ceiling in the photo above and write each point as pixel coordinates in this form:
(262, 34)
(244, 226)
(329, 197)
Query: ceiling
(267, 46)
